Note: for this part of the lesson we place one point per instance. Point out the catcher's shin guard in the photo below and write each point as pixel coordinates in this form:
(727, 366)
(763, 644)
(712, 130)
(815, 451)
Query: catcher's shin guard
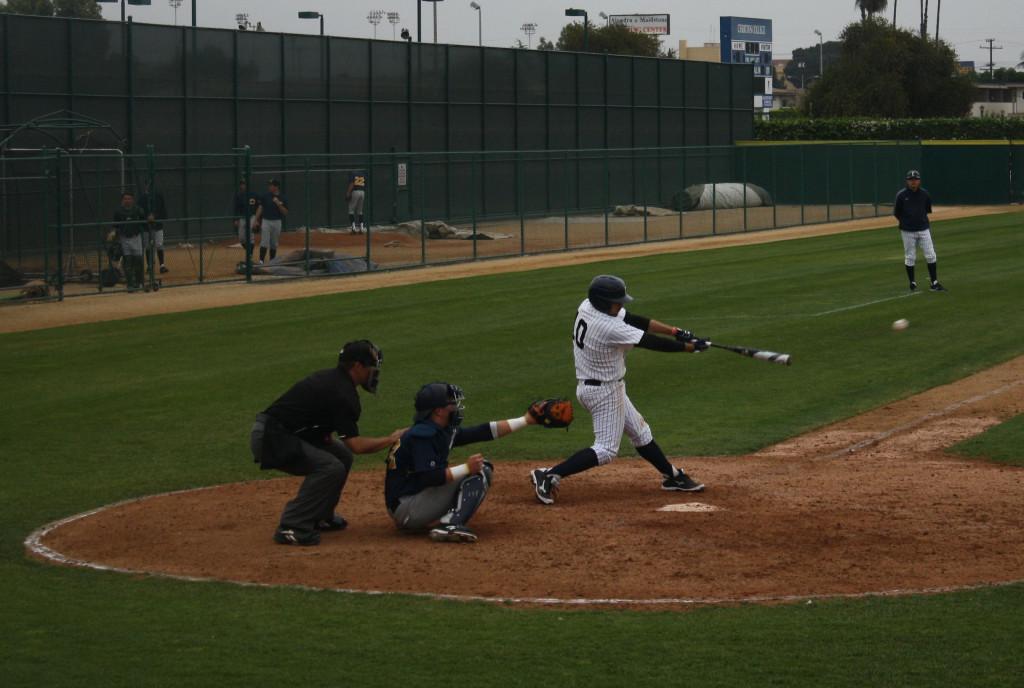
(471, 495)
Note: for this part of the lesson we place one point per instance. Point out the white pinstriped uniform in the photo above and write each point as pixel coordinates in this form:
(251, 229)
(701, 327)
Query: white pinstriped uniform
(600, 343)
(911, 240)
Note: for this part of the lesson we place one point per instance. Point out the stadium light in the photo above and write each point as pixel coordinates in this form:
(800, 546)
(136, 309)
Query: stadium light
(573, 12)
(480, 23)
(314, 15)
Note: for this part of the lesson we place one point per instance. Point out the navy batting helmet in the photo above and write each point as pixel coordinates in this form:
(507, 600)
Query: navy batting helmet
(913, 174)
(606, 290)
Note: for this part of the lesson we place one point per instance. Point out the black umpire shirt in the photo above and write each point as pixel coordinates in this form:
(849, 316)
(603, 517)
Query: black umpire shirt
(326, 400)
(912, 208)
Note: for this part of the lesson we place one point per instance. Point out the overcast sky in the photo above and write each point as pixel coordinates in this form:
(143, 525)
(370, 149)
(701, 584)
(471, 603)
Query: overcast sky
(965, 24)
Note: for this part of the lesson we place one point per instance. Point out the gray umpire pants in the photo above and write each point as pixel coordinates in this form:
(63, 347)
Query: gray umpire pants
(326, 469)
(423, 509)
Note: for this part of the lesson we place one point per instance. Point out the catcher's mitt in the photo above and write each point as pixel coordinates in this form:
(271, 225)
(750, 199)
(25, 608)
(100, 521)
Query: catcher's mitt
(552, 413)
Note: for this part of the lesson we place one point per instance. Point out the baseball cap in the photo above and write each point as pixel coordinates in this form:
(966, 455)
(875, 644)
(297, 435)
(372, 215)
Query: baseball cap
(436, 395)
(274, 182)
(913, 174)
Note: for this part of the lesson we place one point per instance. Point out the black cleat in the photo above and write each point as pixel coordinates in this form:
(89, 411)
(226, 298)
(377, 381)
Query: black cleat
(682, 483)
(545, 485)
(936, 286)
(336, 522)
(913, 286)
(289, 536)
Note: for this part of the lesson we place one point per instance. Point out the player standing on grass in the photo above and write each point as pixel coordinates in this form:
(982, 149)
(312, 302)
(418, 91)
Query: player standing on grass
(602, 334)
(911, 208)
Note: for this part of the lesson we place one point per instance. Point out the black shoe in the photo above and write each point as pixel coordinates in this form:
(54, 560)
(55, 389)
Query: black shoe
(288, 536)
(682, 483)
(913, 286)
(545, 485)
(163, 269)
(336, 522)
(452, 533)
(936, 286)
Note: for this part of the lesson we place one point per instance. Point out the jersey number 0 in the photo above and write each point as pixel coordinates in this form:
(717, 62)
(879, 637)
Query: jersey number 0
(581, 332)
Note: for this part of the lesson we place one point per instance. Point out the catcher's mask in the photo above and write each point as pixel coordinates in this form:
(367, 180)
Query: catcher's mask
(369, 354)
(606, 290)
(438, 395)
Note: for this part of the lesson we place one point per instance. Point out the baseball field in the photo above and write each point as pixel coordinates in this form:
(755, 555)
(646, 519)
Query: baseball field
(866, 523)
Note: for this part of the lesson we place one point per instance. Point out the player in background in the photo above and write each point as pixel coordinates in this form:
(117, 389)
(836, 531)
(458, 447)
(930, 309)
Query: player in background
(602, 334)
(911, 209)
(270, 213)
(356, 196)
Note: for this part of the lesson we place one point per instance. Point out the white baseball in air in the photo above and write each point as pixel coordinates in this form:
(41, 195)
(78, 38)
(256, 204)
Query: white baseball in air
(900, 324)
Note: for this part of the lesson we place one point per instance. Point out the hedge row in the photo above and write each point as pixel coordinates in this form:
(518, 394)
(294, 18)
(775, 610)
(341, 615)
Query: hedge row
(851, 129)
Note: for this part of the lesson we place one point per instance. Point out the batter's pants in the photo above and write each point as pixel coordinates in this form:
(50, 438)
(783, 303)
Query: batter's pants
(613, 413)
(423, 509)
(911, 240)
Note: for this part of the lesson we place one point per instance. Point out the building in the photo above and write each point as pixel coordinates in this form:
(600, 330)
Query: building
(998, 100)
(709, 52)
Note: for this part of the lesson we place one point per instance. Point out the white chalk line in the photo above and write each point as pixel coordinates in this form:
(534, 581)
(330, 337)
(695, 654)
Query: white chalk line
(917, 422)
(862, 305)
(35, 545)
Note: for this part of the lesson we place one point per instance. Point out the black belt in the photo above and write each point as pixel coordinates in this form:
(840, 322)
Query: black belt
(598, 383)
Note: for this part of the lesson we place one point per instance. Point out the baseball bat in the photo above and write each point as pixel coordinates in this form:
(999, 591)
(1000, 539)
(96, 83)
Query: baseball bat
(759, 354)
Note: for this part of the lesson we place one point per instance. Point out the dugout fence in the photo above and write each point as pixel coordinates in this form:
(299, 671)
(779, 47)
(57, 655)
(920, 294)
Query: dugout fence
(433, 208)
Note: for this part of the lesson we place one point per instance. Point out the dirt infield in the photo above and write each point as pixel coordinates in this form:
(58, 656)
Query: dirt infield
(182, 261)
(867, 506)
(870, 505)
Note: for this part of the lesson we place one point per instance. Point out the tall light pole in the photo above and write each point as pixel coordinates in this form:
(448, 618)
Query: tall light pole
(480, 23)
(529, 28)
(571, 12)
(821, 59)
(130, 2)
(435, 18)
(393, 19)
(175, 4)
(374, 18)
(314, 15)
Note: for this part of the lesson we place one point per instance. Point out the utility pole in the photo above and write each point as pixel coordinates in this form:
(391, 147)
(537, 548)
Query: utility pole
(991, 64)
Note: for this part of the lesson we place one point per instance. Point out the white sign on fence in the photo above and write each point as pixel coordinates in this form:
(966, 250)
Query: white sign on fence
(403, 174)
(643, 23)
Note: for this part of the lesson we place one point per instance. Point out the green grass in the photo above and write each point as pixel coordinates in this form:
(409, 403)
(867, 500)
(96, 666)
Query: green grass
(1003, 443)
(97, 413)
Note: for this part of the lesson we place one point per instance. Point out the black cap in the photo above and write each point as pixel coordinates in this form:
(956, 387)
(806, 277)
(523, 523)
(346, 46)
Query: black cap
(913, 174)
(273, 182)
(361, 351)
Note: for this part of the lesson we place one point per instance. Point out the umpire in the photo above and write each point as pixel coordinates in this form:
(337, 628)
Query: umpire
(294, 435)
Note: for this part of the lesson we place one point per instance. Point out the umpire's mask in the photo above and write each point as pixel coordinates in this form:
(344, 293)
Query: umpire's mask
(369, 354)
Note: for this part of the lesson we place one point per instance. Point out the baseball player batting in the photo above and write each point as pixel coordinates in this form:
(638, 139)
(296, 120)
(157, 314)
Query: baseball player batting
(602, 334)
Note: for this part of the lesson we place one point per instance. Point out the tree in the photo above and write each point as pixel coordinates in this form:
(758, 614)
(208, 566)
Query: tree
(809, 58)
(613, 38)
(545, 44)
(888, 72)
(82, 9)
(1021, 63)
(869, 8)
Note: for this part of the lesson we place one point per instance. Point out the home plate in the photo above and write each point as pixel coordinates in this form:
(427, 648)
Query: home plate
(689, 506)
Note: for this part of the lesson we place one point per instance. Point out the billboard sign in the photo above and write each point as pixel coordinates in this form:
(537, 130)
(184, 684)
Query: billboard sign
(658, 24)
(755, 35)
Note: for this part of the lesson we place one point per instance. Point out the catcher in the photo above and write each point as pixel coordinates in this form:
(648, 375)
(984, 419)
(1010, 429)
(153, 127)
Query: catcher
(422, 490)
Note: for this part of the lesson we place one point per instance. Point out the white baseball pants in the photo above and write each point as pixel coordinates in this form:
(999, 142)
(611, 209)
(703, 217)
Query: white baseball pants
(613, 413)
(911, 240)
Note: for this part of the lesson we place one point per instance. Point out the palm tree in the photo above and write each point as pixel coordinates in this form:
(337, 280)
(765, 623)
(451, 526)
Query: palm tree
(938, 13)
(895, 4)
(1021, 63)
(924, 18)
(869, 8)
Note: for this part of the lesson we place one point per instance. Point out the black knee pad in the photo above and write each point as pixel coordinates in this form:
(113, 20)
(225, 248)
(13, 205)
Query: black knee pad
(470, 496)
